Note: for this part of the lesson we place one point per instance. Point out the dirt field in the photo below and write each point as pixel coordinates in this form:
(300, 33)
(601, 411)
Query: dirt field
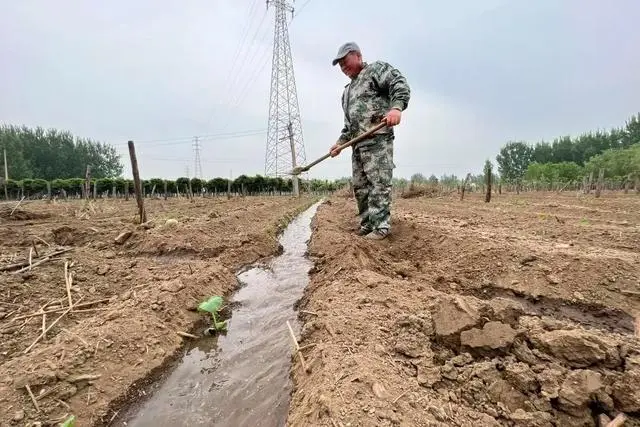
(520, 312)
(132, 296)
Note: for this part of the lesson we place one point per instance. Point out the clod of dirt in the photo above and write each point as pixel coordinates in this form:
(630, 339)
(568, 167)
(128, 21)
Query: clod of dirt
(550, 379)
(579, 348)
(453, 316)
(580, 388)
(503, 392)
(379, 391)
(521, 377)
(493, 337)
(19, 415)
(626, 392)
(172, 286)
(171, 222)
(531, 419)
(528, 259)
(413, 334)
(65, 235)
(123, 237)
(21, 214)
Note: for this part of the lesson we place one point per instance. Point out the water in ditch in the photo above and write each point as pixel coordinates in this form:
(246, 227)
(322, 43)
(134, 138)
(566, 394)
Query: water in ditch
(243, 378)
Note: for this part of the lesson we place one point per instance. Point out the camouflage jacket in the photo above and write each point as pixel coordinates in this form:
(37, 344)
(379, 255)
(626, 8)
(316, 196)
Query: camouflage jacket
(367, 99)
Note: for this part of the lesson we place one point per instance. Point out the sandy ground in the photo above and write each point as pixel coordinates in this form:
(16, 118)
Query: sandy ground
(520, 312)
(133, 296)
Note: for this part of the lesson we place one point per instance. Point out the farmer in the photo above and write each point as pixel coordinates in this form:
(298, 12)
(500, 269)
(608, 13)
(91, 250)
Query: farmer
(377, 92)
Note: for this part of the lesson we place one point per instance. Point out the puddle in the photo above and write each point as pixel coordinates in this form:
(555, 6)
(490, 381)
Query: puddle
(243, 378)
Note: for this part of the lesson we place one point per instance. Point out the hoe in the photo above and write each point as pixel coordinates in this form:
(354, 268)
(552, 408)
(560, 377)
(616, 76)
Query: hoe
(300, 169)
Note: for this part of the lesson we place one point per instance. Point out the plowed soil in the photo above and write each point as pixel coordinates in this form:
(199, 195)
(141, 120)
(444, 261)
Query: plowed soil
(136, 287)
(518, 312)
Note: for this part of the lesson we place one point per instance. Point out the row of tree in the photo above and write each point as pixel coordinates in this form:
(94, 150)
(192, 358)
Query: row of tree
(242, 184)
(52, 154)
(569, 159)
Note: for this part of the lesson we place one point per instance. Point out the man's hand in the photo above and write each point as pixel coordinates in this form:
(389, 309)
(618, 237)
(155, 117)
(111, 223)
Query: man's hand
(335, 149)
(393, 117)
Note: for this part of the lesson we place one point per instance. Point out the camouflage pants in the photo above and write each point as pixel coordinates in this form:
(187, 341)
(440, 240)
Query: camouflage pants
(372, 169)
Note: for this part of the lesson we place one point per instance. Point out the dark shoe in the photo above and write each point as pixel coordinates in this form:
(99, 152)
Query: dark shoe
(363, 231)
(377, 235)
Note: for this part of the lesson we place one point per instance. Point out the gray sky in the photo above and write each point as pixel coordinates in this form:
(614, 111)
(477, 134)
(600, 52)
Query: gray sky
(482, 72)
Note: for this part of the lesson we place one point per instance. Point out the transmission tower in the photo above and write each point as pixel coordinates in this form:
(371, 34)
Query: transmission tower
(285, 145)
(197, 162)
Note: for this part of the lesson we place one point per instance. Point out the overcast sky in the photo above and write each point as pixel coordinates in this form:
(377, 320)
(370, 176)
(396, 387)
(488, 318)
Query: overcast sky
(160, 72)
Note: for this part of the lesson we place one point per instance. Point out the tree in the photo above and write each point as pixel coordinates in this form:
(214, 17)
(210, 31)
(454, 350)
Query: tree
(418, 178)
(53, 154)
(513, 161)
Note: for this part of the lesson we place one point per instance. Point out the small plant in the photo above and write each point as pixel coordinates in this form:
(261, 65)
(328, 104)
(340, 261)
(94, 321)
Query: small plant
(69, 422)
(213, 305)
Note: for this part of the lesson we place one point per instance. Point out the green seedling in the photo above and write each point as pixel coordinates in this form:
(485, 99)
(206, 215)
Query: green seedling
(69, 422)
(213, 305)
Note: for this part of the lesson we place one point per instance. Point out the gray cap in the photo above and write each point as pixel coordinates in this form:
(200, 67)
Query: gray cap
(344, 50)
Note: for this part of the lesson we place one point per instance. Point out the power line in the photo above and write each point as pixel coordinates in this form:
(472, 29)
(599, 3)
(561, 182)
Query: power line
(300, 10)
(208, 137)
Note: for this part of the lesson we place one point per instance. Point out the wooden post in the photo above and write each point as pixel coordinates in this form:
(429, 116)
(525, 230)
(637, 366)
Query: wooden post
(600, 182)
(126, 190)
(136, 182)
(464, 186)
(6, 175)
(487, 195)
(165, 189)
(87, 183)
(49, 191)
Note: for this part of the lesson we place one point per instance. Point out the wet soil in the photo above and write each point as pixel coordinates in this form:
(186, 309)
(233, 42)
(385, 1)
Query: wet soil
(240, 378)
(136, 288)
(520, 312)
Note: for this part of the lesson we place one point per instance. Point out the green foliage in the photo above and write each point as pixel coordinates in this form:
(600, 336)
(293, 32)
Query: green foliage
(69, 422)
(572, 153)
(554, 172)
(213, 306)
(513, 161)
(53, 154)
(617, 163)
(418, 178)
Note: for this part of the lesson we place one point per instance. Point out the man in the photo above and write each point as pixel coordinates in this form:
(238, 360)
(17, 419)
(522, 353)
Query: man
(377, 92)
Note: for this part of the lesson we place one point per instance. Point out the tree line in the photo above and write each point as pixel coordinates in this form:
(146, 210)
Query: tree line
(243, 184)
(567, 159)
(49, 154)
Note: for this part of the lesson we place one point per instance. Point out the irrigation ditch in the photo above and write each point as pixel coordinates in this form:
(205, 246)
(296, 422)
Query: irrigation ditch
(240, 376)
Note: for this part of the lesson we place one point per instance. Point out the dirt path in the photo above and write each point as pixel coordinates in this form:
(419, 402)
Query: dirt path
(145, 290)
(519, 312)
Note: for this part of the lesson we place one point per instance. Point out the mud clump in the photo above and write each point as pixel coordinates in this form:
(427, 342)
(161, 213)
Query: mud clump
(493, 337)
(452, 317)
(579, 348)
(18, 214)
(529, 371)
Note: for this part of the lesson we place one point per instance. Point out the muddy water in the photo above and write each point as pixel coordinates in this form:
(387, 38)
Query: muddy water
(243, 378)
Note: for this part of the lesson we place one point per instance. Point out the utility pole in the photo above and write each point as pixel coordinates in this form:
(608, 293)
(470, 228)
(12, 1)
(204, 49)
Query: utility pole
(294, 178)
(284, 113)
(6, 175)
(197, 162)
